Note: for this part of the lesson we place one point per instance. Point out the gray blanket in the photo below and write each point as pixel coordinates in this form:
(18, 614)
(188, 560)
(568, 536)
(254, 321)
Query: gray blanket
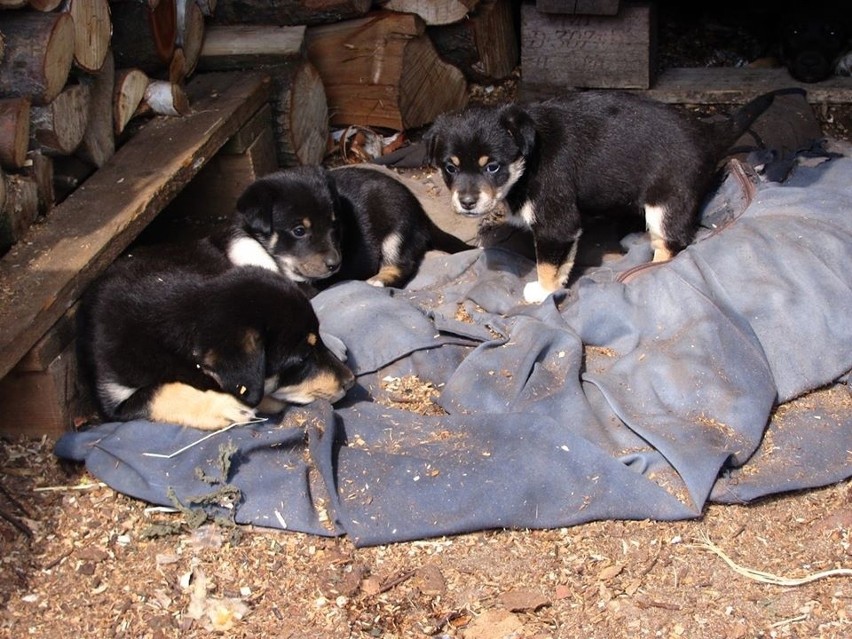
(640, 392)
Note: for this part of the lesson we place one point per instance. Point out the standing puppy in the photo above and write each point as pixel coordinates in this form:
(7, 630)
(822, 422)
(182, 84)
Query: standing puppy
(319, 227)
(591, 152)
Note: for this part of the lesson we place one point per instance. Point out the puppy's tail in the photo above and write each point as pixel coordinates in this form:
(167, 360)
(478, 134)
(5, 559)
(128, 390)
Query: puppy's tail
(728, 131)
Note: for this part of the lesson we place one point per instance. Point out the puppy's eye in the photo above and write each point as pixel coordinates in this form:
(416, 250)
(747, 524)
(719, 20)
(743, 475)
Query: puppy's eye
(492, 167)
(450, 168)
(299, 231)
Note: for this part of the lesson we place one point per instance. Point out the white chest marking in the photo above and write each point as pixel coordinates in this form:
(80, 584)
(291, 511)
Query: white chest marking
(246, 251)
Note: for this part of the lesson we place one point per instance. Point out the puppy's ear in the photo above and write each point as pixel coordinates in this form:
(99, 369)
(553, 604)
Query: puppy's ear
(254, 208)
(520, 126)
(332, 191)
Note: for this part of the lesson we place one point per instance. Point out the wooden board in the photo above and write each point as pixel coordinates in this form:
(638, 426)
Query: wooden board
(725, 85)
(41, 278)
(582, 7)
(572, 51)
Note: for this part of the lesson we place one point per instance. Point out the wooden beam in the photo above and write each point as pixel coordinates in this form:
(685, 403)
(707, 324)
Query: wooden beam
(42, 278)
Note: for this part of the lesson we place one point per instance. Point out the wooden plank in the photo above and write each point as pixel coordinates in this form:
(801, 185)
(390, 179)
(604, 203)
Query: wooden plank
(726, 85)
(42, 277)
(562, 52)
(582, 7)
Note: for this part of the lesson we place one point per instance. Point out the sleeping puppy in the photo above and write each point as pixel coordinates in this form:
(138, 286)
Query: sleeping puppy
(178, 335)
(319, 227)
(590, 152)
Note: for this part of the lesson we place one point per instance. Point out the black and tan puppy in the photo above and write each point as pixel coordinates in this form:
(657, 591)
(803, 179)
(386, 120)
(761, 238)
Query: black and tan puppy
(590, 152)
(320, 226)
(180, 336)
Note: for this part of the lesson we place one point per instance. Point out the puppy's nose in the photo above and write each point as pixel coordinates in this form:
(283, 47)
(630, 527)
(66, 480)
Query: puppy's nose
(468, 200)
(332, 262)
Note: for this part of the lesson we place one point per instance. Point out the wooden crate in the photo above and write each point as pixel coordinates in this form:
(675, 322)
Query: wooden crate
(563, 52)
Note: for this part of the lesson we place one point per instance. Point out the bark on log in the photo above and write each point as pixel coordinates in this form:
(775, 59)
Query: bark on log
(189, 39)
(299, 114)
(143, 37)
(92, 31)
(39, 168)
(98, 144)
(485, 46)
(163, 98)
(288, 12)
(130, 85)
(39, 54)
(14, 132)
(383, 71)
(44, 5)
(20, 209)
(244, 47)
(433, 13)
(58, 128)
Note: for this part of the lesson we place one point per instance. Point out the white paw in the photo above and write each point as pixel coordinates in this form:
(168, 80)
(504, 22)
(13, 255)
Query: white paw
(535, 293)
(225, 410)
(376, 282)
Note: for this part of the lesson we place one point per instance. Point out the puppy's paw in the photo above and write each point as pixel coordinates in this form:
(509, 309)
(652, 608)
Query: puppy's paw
(223, 410)
(535, 293)
(374, 281)
(209, 410)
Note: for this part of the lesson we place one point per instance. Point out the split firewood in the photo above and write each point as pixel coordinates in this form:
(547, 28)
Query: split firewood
(432, 12)
(484, 46)
(58, 128)
(98, 144)
(130, 85)
(13, 4)
(19, 210)
(14, 132)
(299, 114)
(39, 54)
(250, 46)
(190, 38)
(39, 168)
(144, 36)
(208, 7)
(383, 71)
(288, 12)
(163, 98)
(92, 32)
(43, 5)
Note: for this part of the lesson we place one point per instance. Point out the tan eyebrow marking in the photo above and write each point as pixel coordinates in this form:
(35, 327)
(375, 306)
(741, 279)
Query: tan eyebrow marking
(484, 160)
(306, 222)
(455, 160)
(312, 339)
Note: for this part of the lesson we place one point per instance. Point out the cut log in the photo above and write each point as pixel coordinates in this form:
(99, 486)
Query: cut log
(383, 71)
(58, 128)
(580, 7)
(12, 4)
(44, 5)
(288, 12)
(19, 210)
(98, 142)
(190, 38)
(143, 37)
(39, 54)
(130, 85)
(433, 13)
(14, 132)
(245, 47)
(69, 172)
(39, 168)
(163, 98)
(485, 46)
(299, 114)
(92, 31)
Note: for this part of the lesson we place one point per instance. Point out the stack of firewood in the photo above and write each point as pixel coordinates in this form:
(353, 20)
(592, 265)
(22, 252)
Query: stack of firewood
(75, 73)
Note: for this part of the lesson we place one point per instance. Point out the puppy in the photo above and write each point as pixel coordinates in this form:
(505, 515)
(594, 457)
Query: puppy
(813, 38)
(179, 335)
(319, 227)
(592, 152)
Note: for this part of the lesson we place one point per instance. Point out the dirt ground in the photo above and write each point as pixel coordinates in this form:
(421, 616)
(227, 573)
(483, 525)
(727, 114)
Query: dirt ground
(81, 560)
